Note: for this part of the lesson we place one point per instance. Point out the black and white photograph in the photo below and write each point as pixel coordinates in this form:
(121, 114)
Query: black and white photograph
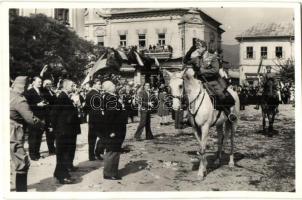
(153, 99)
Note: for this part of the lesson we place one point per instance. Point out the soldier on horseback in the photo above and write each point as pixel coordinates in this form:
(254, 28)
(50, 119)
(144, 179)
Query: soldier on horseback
(270, 87)
(206, 67)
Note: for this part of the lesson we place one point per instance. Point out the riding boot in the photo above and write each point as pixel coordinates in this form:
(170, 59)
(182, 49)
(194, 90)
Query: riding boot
(21, 182)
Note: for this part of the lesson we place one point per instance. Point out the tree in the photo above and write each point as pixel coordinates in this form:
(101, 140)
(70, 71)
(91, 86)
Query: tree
(286, 70)
(38, 40)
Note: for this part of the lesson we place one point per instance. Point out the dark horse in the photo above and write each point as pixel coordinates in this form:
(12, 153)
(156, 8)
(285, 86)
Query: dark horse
(269, 105)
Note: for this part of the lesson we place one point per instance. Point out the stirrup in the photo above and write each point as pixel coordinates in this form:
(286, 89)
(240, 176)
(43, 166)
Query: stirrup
(232, 117)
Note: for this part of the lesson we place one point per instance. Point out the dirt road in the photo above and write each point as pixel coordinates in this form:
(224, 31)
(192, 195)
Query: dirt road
(164, 164)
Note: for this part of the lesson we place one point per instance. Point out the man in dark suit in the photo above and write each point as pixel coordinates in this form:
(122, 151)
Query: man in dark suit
(37, 104)
(145, 113)
(66, 124)
(113, 135)
(50, 96)
(95, 114)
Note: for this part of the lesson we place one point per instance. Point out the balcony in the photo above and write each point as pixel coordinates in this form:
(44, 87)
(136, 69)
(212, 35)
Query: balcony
(159, 55)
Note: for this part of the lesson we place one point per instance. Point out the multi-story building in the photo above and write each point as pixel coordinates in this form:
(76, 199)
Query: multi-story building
(164, 33)
(146, 27)
(74, 18)
(272, 43)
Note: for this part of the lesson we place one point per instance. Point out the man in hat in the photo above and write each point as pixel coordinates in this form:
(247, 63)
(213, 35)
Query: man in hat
(20, 114)
(206, 67)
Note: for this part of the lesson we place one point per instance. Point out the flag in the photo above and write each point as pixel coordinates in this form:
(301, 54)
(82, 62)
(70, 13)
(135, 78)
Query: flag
(123, 55)
(138, 58)
(100, 64)
(156, 62)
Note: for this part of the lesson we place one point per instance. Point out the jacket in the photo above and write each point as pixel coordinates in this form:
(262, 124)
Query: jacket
(64, 116)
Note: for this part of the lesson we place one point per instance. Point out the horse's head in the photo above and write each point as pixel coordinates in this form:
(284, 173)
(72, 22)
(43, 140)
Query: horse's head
(176, 85)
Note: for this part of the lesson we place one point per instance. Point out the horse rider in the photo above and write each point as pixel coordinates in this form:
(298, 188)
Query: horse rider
(20, 115)
(270, 86)
(206, 67)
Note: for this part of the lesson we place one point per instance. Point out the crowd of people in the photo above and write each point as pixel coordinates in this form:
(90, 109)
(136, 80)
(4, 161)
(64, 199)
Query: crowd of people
(39, 106)
(106, 103)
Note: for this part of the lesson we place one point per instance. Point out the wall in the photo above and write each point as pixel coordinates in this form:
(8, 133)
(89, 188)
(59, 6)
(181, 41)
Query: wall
(251, 65)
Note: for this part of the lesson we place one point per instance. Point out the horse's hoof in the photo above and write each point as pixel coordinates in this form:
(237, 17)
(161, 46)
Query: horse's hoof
(200, 177)
(231, 164)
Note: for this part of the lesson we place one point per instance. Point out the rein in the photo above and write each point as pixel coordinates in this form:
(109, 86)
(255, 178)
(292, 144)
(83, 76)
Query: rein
(193, 101)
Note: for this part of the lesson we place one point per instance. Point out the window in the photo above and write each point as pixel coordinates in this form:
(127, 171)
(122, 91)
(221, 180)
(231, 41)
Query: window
(162, 39)
(100, 40)
(263, 52)
(249, 52)
(279, 52)
(123, 40)
(142, 40)
(62, 15)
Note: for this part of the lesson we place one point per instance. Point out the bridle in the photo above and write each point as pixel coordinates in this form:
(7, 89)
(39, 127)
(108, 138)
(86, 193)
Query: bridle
(201, 92)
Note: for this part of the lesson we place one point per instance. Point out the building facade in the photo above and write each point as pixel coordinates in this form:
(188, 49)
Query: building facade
(264, 44)
(149, 27)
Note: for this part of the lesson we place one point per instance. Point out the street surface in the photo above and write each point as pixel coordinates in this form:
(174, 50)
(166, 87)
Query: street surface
(164, 164)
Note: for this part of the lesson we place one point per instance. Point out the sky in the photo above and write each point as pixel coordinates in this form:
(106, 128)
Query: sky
(236, 20)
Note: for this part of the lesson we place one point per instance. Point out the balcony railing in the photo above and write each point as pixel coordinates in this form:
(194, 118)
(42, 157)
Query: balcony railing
(159, 55)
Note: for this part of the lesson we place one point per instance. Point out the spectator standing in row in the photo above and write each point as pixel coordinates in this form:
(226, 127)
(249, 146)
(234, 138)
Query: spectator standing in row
(145, 106)
(66, 124)
(114, 133)
(93, 104)
(163, 108)
(51, 98)
(37, 104)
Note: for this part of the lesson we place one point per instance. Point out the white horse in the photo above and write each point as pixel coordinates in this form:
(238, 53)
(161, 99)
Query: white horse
(203, 114)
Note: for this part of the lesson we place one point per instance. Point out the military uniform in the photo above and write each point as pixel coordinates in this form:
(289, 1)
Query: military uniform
(206, 67)
(20, 114)
(270, 88)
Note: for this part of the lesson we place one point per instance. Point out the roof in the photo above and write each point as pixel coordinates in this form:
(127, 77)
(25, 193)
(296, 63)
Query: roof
(118, 11)
(268, 30)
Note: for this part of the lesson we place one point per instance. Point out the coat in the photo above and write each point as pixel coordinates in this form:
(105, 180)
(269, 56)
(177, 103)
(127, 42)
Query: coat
(20, 114)
(93, 107)
(115, 120)
(33, 99)
(207, 70)
(64, 116)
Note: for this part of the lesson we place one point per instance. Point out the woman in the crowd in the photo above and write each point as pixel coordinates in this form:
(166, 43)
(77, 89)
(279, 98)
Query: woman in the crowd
(163, 109)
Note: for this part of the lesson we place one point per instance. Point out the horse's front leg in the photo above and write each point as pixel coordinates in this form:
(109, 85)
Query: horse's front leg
(218, 160)
(203, 161)
(263, 121)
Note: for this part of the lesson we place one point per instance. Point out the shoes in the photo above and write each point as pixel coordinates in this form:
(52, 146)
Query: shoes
(65, 180)
(73, 169)
(137, 139)
(114, 178)
(99, 158)
(150, 138)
